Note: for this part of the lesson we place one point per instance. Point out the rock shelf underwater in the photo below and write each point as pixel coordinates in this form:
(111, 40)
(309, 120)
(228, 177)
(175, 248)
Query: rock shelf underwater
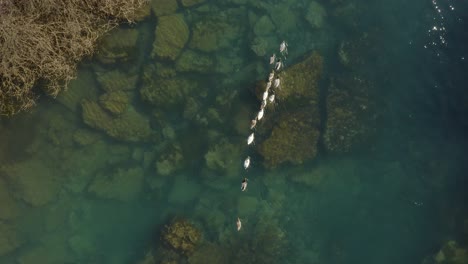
(361, 160)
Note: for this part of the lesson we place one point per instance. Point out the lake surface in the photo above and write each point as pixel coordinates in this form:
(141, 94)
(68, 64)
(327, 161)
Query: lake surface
(82, 185)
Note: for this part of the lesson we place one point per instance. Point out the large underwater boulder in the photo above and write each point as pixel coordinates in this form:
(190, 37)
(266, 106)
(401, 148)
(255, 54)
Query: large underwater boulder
(293, 135)
(172, 33)
(300, 82)
(293, 139)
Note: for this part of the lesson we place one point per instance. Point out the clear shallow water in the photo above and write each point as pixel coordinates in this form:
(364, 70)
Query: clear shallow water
(396, 199)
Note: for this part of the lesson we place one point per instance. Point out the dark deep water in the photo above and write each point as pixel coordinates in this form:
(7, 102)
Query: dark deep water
(398, 197)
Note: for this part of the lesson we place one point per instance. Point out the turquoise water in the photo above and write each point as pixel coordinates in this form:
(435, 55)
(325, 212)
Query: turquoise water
(72, 192)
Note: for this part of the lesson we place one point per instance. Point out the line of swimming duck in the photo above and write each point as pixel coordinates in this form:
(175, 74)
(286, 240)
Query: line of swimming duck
(268, 97)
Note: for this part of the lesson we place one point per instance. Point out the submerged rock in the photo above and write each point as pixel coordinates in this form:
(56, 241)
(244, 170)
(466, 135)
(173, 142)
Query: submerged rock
(189, 3)
(350, 114)
(191, 109)
(224, 158)
(450, 253)
(52, 249)
(165, 92)
(260, 46)
(264, 243)
(348, 15)
(9, 240)
(149, 258)
(216, 32)
(9, 207)
(182, 236)
(129, 126)
(263, 26)
(293, 139)
(84, 137)
(164, 7)
(163, 70)
(183, 191)
(172, 33)
(114, 102)
(299, 83)
(170, 161)
(315, 15)
(83, 87)
(143, 12)
(292, 136)
(116, 80)
(355, 53)
(33, 182)
(209, 253)
(94, 116)
(123, 185)
(285, 21)
(191, 61)
(118, 46)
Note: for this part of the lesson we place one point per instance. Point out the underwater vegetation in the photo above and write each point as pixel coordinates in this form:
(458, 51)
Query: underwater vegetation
(45, 41)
